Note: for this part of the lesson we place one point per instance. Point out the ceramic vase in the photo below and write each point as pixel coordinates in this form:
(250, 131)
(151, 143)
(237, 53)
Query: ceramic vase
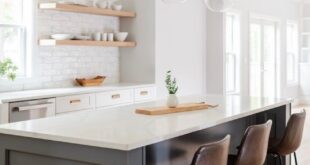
(172, 101)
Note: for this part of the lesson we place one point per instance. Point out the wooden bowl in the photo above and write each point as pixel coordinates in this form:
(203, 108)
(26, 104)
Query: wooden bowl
(97, 81)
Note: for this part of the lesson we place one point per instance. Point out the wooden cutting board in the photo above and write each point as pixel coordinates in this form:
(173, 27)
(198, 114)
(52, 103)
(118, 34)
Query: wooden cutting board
(181, 108)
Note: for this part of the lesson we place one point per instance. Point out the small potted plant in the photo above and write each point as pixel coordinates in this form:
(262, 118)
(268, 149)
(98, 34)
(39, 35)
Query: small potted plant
(8, 69)
(171, 85)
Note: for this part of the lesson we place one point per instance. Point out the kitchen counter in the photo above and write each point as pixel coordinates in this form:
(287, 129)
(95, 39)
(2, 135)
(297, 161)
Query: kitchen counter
(122, 129)
(58, 92)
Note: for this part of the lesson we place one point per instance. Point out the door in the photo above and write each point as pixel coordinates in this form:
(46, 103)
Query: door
(263, 54)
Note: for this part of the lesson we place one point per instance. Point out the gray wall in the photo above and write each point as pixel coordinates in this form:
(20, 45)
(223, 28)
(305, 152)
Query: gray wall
(138, 64)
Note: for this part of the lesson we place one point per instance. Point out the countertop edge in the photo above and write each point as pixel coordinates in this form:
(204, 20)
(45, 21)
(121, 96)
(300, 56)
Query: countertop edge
(135, 145)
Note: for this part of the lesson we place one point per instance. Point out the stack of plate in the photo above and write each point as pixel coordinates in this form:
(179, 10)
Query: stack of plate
(62, 36)
(87, 3)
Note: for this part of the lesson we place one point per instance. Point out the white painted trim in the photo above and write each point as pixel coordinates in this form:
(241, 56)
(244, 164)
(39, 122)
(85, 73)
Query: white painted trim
(237, 15)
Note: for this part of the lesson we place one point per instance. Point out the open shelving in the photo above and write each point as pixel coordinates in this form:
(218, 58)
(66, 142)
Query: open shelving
(86, 10)
(51, 42)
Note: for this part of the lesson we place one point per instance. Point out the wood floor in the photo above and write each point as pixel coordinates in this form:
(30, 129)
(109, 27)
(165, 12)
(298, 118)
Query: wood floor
(303, 152)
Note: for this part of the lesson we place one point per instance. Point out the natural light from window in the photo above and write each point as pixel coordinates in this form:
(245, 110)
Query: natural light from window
(292, 53)
(14, 34)
(232, 53)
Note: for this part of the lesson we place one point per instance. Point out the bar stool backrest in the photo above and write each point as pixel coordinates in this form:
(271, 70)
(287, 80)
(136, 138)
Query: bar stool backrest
(254, 145)
(293, 134)
(213, 153)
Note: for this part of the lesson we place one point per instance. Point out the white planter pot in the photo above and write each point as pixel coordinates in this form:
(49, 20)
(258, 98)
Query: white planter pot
(172, 101)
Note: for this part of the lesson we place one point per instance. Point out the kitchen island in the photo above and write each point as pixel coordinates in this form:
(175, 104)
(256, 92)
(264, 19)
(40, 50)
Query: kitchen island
(119, 136)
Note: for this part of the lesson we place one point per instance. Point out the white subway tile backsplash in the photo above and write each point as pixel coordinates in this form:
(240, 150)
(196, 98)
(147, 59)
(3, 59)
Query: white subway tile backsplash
(59, 66)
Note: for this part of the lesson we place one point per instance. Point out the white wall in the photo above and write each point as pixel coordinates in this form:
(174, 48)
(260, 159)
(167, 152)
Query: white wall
(181, 45)
(215, 54)
(279, 10)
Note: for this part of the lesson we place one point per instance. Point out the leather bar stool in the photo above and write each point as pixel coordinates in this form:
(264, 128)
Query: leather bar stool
(291, 140)
(215, 153)
(254, 145)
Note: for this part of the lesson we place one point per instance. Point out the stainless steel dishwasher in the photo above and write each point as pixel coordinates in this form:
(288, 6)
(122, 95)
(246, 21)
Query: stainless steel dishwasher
(34, 109)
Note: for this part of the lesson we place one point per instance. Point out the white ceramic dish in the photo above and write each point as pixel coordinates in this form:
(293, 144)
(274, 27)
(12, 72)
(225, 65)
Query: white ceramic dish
(62, 36)
(87, 3)
(121, 36)
(67, 2)
(103, 5)
(82, 37)
(117, 7)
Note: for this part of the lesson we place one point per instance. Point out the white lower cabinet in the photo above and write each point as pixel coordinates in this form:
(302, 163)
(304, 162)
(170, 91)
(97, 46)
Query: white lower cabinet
(144, 94)
(100, 100)
(104, 100)
(75, 103)
(113, 98)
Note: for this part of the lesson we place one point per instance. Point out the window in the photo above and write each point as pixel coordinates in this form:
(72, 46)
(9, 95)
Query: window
(292, 52)
(14, 23)
(232, 39)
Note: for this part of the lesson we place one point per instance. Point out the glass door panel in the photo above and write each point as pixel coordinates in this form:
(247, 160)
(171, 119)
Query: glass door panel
(263, 48)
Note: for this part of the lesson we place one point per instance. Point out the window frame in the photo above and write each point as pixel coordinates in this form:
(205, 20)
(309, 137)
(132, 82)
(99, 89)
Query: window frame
(234, 53)
(27, 44)
(22, 48)
(293, 54)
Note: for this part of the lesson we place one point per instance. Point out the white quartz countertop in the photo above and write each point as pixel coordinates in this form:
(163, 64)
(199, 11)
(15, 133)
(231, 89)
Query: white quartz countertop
(57, 92)
(122, 129)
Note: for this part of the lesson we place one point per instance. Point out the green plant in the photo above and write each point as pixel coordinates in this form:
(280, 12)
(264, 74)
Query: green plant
(8, 69)
(171, 83)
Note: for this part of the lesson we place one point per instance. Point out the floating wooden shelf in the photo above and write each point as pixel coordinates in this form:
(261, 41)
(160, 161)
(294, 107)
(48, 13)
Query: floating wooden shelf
(87, 10)
(51, 42)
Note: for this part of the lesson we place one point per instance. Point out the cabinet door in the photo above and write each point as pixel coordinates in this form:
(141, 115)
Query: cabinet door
(145, 94)
(75, 103)
(112, 98)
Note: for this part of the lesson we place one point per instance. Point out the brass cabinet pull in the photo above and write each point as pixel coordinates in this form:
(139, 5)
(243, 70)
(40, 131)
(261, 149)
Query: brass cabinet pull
(75, 101)
(143, 93)
(116, 96)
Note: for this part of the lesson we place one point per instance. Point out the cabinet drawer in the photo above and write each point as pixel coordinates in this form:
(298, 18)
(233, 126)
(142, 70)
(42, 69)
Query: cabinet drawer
(114, 98)
(74, 103)
(144, 94)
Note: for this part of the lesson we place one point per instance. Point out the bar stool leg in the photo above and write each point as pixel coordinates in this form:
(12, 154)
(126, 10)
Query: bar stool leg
(280, 158)
(295, 156)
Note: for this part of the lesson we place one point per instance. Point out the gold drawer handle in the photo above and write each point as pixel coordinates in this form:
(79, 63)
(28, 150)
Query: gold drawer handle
(75, 101)
(144, 93)
(116, 96)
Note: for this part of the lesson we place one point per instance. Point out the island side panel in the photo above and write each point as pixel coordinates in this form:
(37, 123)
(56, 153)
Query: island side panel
(181, 150)
(280, 117)
(16, 150)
